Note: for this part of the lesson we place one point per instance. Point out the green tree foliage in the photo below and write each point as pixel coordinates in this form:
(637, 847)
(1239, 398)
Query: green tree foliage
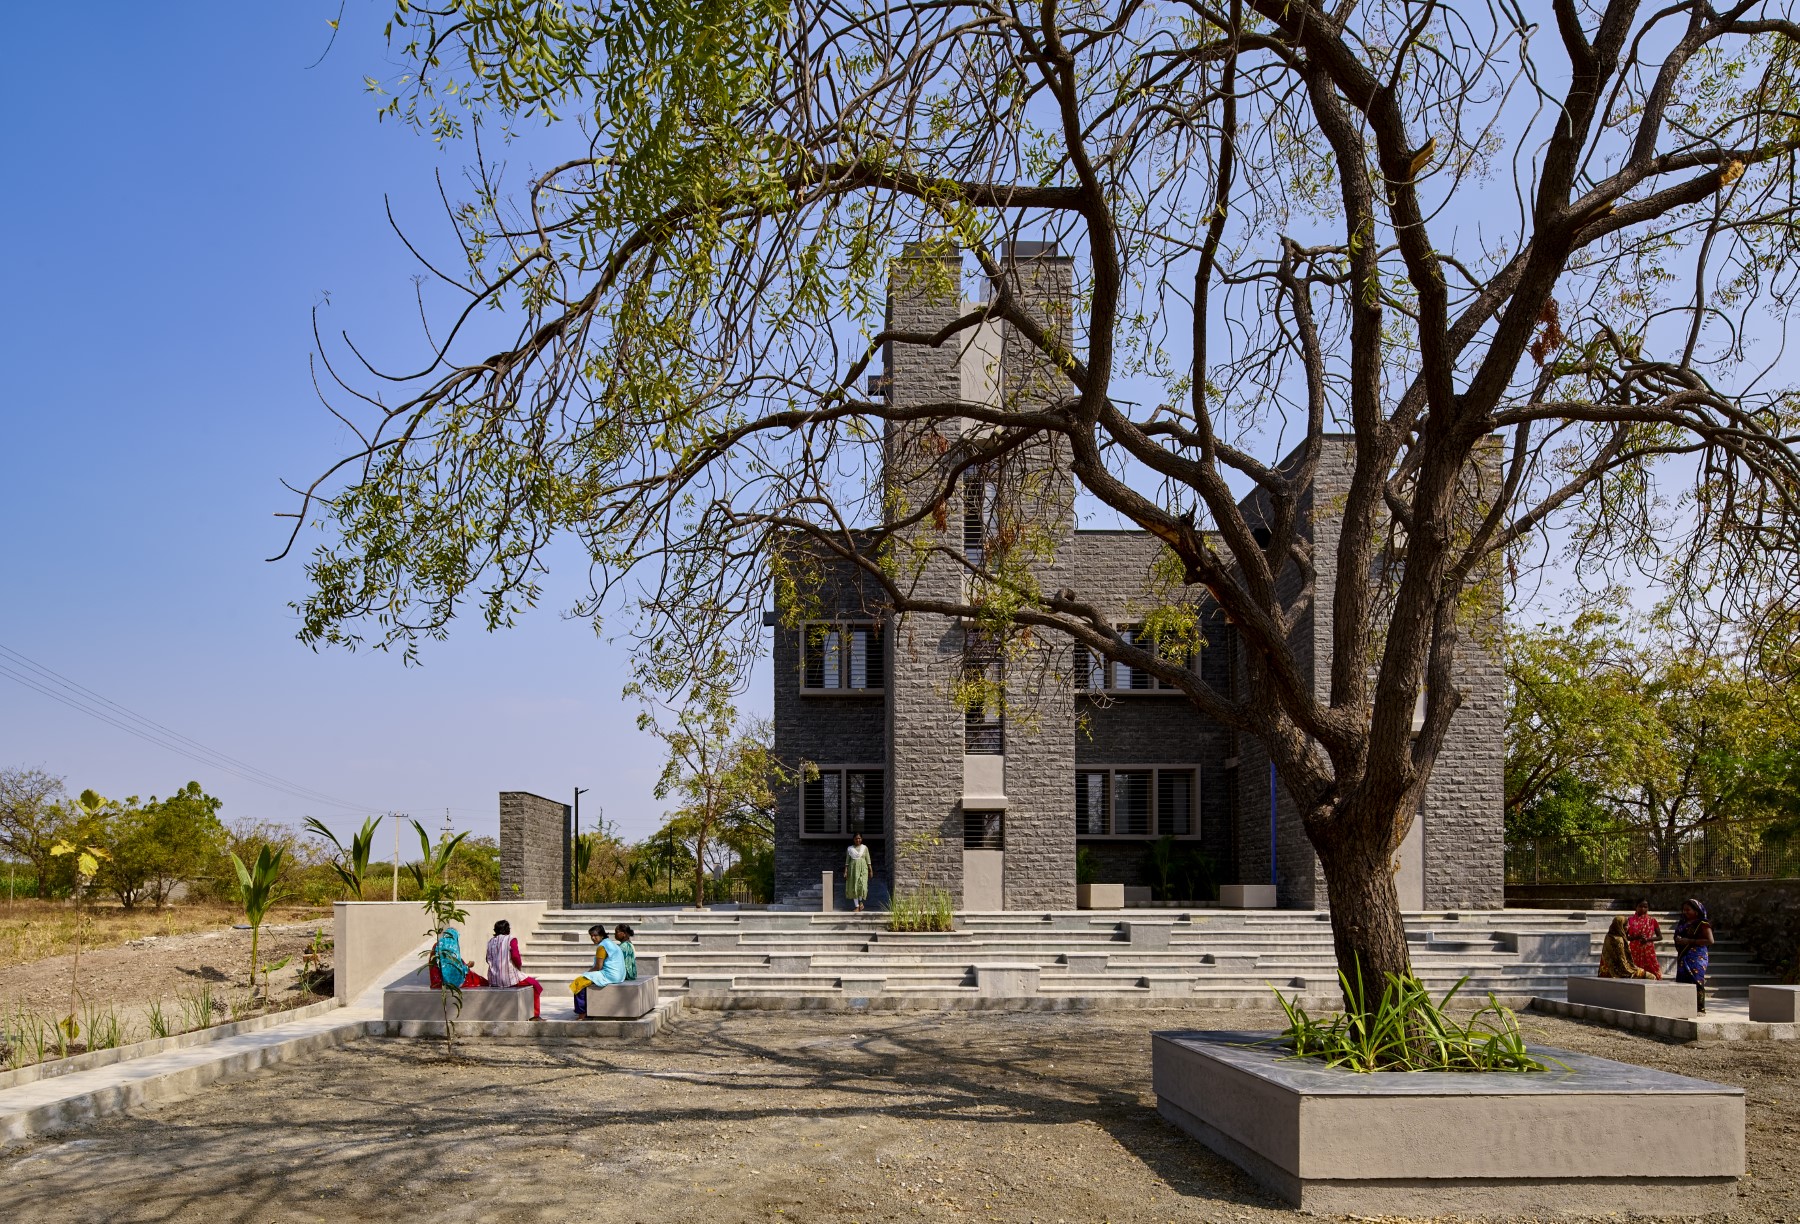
(160, 844)
(1268, 205)
(723, 776)
(29, 818)
(1640, 726)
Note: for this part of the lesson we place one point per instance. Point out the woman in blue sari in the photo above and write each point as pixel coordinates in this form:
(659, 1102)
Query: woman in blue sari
(1693, 936)
(448, 968)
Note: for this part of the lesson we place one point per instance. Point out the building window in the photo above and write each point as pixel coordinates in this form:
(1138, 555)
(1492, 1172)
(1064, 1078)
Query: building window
(839, 658)
(844, 801)
(1143, 801)
(983, 698)
(979, 506)
(1095, 673)
(984, 830)
(1092, 809)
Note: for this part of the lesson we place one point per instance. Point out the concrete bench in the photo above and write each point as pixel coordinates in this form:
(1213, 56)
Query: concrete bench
(1775, 1004)
(1007, 979)
(1676, 1000)
(404, 1003)
(623, 1000)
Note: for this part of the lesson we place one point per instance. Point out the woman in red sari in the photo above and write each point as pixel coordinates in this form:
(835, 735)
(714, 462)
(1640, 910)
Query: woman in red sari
(1641, 934)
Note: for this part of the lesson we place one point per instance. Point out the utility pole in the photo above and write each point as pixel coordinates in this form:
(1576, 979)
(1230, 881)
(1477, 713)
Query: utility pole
(575, 851)
(394, 819)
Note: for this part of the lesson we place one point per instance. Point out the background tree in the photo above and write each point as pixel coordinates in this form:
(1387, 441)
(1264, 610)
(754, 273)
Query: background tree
(29, 812)
(1620, 727)
(1526, 266)
(723, 775)
(157, 845)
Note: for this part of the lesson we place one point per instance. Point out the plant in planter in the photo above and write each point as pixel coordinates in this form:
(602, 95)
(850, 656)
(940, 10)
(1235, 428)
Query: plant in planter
(925, 907)
(1407, 1030)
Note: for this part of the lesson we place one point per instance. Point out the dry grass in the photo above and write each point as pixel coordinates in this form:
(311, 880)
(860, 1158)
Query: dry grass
(35, 930)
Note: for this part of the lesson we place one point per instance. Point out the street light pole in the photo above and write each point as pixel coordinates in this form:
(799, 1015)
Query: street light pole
(575, 851)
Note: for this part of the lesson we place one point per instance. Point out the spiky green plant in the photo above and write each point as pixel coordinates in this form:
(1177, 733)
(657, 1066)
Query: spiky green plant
(351, 864)
(1408, 1031)
(256, 888)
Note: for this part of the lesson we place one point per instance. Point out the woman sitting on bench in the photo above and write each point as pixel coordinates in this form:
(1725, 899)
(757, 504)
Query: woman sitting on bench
(448, 968)
(506, 969)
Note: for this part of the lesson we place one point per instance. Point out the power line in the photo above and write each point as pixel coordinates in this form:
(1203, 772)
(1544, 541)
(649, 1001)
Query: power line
(78, 697)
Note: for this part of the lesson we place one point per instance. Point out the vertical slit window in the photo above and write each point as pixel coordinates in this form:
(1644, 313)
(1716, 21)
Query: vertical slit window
(864, 809)
(977, 498)
(1174, 803)
(1131, 802)
(1090, 804)
(821, 804)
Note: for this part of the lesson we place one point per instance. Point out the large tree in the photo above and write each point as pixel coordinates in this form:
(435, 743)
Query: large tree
(1545, 254)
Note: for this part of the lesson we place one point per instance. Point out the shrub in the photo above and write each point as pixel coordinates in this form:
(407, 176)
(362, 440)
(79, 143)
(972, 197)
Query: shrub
(1408, 1031)
(927, 908)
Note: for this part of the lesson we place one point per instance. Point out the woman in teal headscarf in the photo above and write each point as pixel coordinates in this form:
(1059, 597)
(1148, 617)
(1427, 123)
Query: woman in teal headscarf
(448, 968)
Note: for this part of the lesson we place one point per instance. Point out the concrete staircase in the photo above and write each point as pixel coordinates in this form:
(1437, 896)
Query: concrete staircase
(730, 959)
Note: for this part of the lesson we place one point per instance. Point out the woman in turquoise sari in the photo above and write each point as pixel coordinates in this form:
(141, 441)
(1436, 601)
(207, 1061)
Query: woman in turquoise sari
(448, 968)
(614, 962)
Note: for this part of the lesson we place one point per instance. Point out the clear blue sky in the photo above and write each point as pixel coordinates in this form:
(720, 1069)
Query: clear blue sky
(181, 191)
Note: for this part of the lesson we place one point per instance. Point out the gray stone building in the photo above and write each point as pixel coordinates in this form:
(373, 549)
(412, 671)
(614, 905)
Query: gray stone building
(995, 800)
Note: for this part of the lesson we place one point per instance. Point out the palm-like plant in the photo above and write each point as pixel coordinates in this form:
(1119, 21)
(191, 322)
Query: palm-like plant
(352, 864)
(256, 888)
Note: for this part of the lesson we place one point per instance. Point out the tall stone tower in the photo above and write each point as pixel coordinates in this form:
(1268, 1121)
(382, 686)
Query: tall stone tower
(995, 823)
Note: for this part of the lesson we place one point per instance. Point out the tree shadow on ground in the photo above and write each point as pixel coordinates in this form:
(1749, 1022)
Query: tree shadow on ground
(388, 1122)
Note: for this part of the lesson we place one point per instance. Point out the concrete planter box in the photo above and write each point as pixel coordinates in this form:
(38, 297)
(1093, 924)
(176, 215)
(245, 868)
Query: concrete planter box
(622, 1000)
(1775, 1004)
(1594, 1139)
(1674, 999)
(1246, 896)
(403, 1003)
(1100, 896)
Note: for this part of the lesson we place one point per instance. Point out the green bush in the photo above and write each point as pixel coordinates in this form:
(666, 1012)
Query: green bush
(1408, 1031)
(923, 909)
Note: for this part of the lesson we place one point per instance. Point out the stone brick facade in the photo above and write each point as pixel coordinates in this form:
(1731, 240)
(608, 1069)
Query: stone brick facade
(532, 847)
(914, 729)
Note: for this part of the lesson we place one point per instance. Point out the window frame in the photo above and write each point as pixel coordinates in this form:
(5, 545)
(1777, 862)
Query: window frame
(1110, 669)
(842, 773)
(1156, 770)
(844, 628)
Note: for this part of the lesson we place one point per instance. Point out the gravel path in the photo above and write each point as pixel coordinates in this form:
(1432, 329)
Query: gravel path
(749, 1116)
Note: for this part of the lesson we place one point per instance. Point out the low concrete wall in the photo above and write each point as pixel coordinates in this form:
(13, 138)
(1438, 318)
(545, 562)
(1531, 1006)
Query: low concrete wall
(372, 935)
(1763, 914)
(1677, 1000)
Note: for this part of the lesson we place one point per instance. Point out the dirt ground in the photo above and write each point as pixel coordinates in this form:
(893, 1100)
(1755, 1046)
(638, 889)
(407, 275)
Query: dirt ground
(749, 1116)
(157, 968)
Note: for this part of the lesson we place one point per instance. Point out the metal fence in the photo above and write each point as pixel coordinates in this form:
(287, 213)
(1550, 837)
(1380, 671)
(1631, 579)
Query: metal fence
(1632, 856)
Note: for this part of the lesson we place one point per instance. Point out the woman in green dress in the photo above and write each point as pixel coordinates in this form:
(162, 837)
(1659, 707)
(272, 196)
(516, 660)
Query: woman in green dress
(856, 872)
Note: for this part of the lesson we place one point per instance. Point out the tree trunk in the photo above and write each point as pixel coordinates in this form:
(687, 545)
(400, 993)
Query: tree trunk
(1367, 931)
